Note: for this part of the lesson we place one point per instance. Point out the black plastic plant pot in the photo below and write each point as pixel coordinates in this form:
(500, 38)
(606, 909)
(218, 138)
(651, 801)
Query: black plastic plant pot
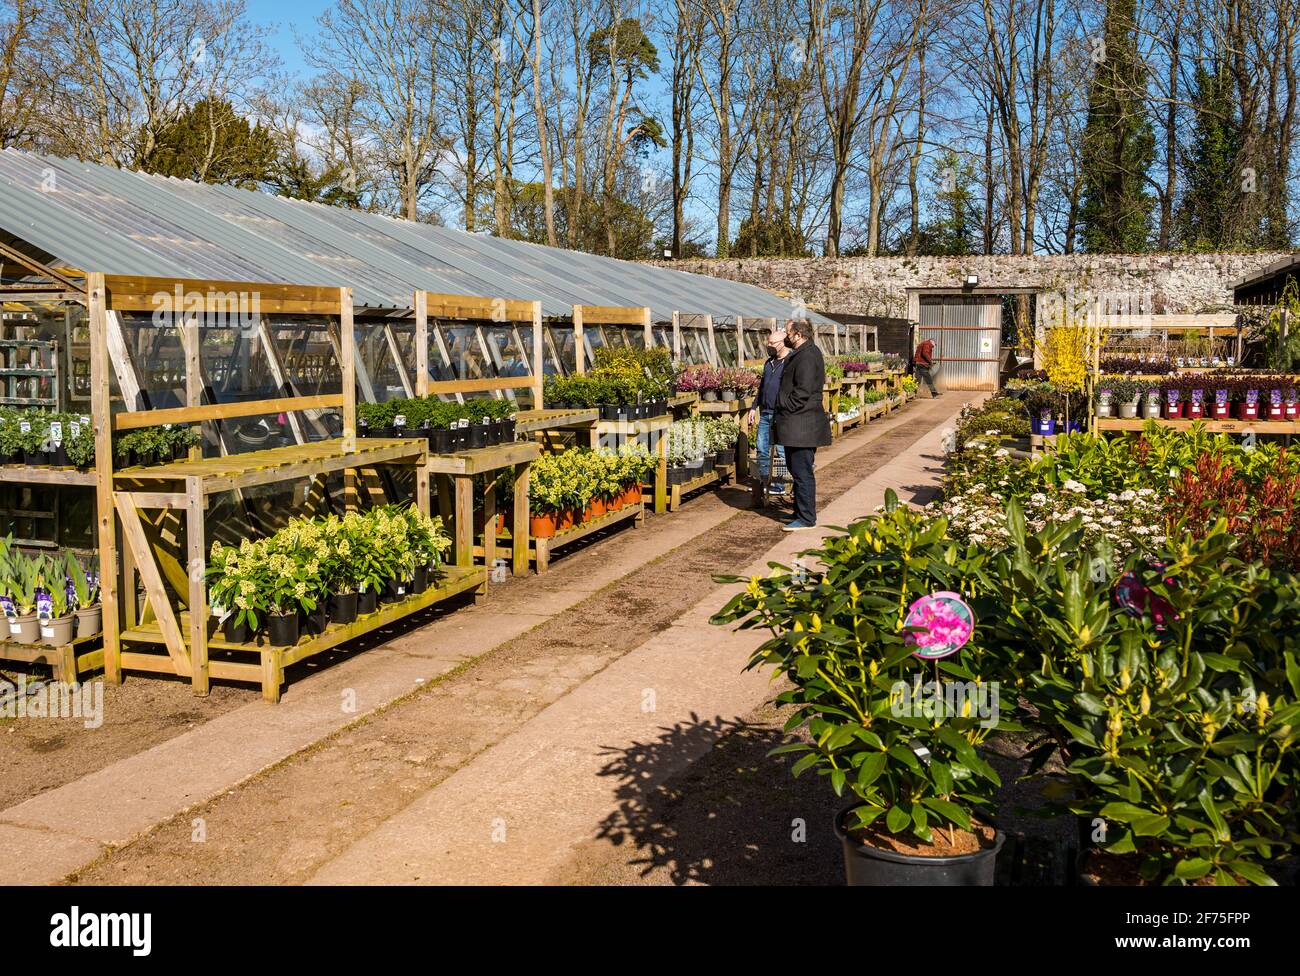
(870, 866)
(677, 476)
(478, 436)
(236, 633)
(367, 602)
(35, 457)
(393, 591)
(421, 581)
(439, 440)
(59, 457)
(316, 621)
(611, 411)
(282, 629)
(343, 608)
(180, 452)
(509, 426)
(708, 464)
(726, 457)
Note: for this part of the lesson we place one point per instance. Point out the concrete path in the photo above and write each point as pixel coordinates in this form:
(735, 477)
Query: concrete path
(44, 838)
(515, 814)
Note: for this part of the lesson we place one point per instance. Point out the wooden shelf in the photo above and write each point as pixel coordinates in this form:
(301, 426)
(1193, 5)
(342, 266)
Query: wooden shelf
(1213, 426)
(555, 418)
(678, 400)
(632, 427)
(541, 549)
(481, 460)
(720, 475)
(452, 581)
(722, 406)
(67, 660)
(237, 471)
(43, 475)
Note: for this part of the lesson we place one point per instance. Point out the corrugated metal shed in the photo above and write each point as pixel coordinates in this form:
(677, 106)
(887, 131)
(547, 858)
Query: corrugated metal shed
(97, 218)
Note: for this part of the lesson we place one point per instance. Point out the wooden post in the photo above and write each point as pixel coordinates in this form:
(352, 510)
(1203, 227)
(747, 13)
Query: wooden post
(101, 416)
(649, 329)
(520, 527)
(348, 361)
(539, 362)
(740, 340)
(578, 365)
(197, 597)
(713, 345)
(677, 336)
(421, 344)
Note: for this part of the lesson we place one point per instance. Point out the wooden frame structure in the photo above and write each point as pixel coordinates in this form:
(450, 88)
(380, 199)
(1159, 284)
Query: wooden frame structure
(133, 633)
(600, 315)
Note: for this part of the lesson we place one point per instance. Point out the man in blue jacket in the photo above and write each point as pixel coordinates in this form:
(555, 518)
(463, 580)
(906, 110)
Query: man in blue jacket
(763, 409)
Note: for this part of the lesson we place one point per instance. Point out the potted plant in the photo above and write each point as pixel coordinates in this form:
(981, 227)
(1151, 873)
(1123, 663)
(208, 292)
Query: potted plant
(1042, 402)
(1173, 403)
(58, 620)
(1126, 393)
(1276, 408)
(1196, 405)
(1151, 402)
(1221, 408)
(23, 586)
(1105, 399)
(861, 666)
(1248, 406)
(85, 586)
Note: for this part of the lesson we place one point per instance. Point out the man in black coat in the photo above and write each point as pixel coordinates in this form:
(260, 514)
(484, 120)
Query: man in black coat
(801, 424)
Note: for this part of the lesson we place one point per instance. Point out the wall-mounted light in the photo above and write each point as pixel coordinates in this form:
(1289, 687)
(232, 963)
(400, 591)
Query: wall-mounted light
(972, 280)
(668, 254)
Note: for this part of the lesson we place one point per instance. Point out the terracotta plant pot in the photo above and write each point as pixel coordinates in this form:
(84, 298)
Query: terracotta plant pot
(542, 526)
(90, 621)
(58, 630)
(598, 508)
(568, 519)
(25, 629)
(616, 503)
(633, 495)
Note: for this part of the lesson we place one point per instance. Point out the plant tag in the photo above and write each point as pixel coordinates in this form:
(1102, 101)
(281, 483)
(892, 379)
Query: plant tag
(74, 429)
(944, 625)
(85, 420)
(47, 631)
(13, 627)
(24, 427)
(56, 432)
(921, 751)
(399, 420)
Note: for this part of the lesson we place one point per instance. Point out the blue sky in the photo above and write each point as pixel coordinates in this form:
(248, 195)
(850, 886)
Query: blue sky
(286, 16)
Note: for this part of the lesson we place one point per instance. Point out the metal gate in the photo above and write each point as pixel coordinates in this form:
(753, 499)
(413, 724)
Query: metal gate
(967, 335)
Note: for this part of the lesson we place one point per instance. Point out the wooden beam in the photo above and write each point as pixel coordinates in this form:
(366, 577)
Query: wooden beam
(225, 411)
(421, 343)
(476, 307)
(348, 345)
(196, 599)
(539, 361)
(100, 412)
(649, 329)
(677, 335)
(31, 264)
(578, 353)
(612, 314)
(138, 293)
(486, 385)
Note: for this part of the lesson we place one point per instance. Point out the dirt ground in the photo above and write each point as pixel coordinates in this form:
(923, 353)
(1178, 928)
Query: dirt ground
(281, 825)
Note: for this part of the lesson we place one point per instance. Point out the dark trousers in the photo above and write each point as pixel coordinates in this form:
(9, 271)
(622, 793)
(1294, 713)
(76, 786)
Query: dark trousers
(923, 375)
(799, 461)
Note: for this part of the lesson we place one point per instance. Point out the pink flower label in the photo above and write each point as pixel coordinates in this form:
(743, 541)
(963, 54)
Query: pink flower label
(945, 624)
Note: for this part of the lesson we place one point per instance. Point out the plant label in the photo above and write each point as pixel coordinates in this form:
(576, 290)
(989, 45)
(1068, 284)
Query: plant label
(943, 624)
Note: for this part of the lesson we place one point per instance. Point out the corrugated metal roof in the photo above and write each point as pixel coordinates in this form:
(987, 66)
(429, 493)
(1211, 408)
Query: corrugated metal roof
(98, 218)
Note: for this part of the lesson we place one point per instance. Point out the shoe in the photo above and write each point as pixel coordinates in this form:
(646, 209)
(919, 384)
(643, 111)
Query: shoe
(775, 489)
(797, 526)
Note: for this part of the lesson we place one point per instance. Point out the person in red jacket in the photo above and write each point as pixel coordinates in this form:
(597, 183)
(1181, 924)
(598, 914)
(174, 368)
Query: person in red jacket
(922, 362)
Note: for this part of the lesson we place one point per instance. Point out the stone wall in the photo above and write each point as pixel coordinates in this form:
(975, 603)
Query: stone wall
(1159, 283)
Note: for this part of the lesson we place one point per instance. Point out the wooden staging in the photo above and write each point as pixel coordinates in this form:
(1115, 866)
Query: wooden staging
(541, 549)
(68, 661)
(725, 474)
(457, 472)
(655, 429)
(1213, 426)
(739, 411)
(268, 669)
